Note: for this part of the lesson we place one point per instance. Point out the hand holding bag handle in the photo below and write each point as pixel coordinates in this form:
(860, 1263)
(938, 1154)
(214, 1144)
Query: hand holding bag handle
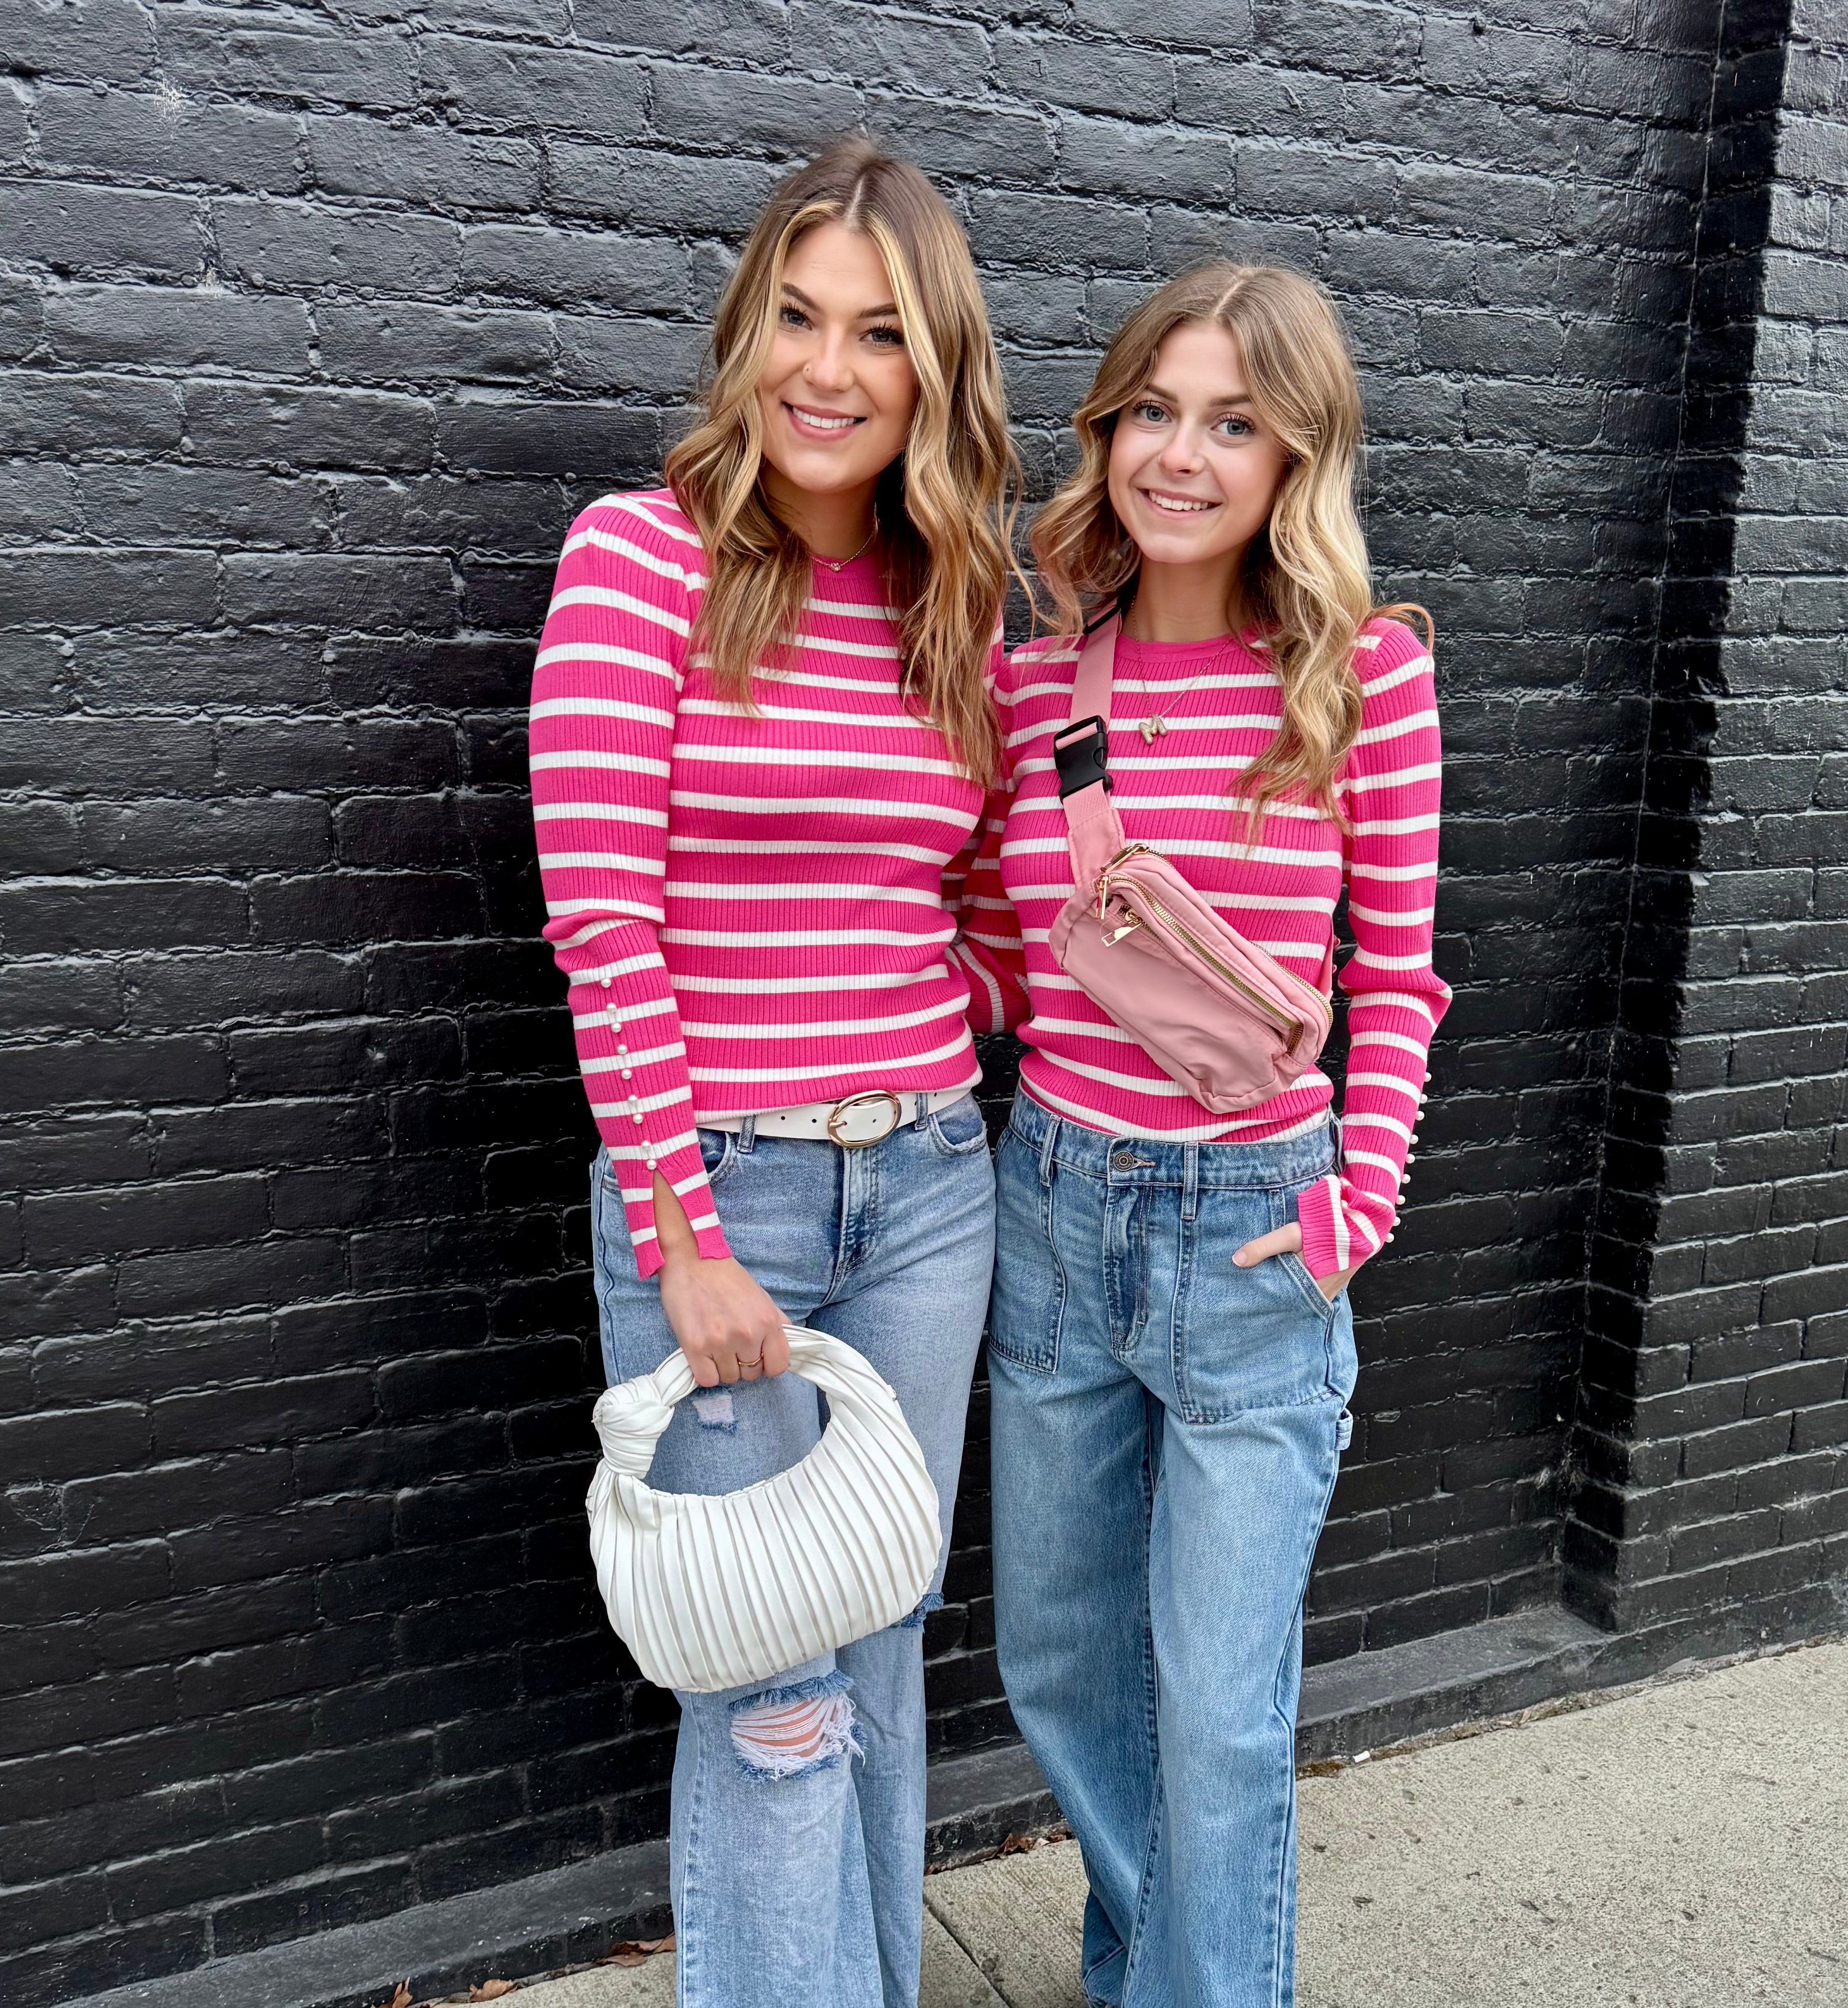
(714, 1591)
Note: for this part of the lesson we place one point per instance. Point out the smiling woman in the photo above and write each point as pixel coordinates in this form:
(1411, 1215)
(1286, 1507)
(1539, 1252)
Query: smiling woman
(1171, 1345)
(1193, 471)
(837, 390)
(762, 727)
(855, 395)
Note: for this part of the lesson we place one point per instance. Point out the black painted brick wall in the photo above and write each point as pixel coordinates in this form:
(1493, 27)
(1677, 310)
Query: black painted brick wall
(316, 324)
(1711, 1453)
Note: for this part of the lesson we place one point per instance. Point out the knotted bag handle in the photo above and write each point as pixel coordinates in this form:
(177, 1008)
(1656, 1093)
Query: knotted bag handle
(631, 1417)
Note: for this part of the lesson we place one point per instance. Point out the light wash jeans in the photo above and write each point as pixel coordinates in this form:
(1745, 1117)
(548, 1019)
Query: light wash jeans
(804, 1886)
(1166, 1429)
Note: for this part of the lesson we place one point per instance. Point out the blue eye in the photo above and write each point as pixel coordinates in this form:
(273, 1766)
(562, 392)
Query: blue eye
(1150, 414)
(792, 316)
(885, 336)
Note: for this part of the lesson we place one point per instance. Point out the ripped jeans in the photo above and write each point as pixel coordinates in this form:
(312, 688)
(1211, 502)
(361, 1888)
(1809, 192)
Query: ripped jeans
(797, 1835)
(1165, 1429)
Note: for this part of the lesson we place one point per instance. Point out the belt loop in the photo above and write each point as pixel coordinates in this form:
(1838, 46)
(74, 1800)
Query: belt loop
(1049, 1144)
(923, 1115)
(747, 1133)
(1190, 1181)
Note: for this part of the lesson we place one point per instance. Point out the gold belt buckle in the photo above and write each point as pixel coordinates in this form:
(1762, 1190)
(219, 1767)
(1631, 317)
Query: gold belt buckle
(841, 1115)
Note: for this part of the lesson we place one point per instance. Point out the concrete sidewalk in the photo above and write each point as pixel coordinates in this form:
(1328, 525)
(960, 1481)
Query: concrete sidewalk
(1681, 1845)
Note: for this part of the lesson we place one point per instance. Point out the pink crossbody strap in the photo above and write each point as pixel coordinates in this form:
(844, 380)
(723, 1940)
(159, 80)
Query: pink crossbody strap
(1096, 666)
(1092, 828)
(1094, 831)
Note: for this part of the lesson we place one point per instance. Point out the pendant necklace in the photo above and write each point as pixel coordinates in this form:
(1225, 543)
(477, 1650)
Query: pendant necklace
(840, 564)
(1152, 727)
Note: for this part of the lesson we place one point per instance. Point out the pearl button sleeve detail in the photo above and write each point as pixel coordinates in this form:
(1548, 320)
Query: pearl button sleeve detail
(605, 693)
(1221, 702)
(1395, 999)
(752, 903)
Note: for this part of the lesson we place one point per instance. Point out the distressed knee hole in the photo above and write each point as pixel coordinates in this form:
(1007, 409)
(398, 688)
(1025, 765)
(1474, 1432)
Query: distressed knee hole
(713, 1406)
(780, 1739)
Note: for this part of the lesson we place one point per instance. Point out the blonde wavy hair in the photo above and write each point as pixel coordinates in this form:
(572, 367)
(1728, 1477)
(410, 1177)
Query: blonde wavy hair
(945, 507)
(1305, 580)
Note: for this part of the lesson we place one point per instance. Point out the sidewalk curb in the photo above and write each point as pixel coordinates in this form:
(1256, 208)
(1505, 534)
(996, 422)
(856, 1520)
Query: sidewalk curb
(572, 1916)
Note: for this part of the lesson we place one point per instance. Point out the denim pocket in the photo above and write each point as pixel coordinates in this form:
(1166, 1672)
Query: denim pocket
(1246, 1339)
(718, 1153)
(1322, 1304)
(958, 1131)
(1028, 1305)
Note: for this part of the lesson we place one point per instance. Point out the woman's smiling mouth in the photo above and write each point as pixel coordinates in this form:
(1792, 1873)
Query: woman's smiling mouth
(821, 425)
(1178, 505)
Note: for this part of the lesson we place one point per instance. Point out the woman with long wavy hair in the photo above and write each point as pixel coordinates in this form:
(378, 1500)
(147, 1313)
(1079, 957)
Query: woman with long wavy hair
(762, 732)
(1171, 1349)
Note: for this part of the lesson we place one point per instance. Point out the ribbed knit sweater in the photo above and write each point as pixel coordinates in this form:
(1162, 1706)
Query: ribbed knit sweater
(749, 906)
(1223, 703)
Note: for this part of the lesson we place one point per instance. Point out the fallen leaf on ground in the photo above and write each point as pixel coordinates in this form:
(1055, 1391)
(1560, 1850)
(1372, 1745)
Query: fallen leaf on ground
(490, 1990)
(636, 1952)
(401, 1999)
(1020, 1843)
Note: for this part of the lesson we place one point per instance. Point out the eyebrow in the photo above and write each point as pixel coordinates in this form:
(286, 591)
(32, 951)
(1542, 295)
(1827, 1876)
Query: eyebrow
(1168, 397)
(866, 314)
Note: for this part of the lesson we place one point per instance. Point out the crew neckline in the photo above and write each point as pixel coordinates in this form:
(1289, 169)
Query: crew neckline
(1186, 651)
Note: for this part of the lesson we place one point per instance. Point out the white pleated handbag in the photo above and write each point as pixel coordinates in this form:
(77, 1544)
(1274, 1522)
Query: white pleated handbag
(710, 1591)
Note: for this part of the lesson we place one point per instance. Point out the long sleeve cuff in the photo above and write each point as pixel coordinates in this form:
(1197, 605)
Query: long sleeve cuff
(678, 1161)
(634, 1065)
(1342, 1225)
(998, 1000)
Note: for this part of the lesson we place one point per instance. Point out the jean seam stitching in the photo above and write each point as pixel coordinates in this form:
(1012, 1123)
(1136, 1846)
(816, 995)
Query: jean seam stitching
(601, 1276)
(1285, 1884)
(933, 1130)
(1151, 1716)
(1186, 1255)
(1298, 1272)
(1138, 1249)
(1043, 1356)
(1061, 1284)
(688, 1963)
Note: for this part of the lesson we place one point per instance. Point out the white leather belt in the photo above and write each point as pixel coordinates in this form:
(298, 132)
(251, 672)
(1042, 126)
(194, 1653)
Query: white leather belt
(854, 1122)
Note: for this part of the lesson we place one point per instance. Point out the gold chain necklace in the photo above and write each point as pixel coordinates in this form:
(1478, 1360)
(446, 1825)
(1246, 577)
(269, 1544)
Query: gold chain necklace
(840, 564)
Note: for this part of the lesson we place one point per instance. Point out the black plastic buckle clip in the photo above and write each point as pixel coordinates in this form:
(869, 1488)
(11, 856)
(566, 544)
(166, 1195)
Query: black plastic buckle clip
(1081, 761)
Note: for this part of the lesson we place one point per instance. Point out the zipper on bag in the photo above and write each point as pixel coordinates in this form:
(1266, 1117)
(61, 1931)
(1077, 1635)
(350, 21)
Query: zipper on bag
(1292, 1028)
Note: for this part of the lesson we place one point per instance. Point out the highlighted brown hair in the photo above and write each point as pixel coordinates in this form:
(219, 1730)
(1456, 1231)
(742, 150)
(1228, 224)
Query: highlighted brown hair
(945, 505)
(1306, 579)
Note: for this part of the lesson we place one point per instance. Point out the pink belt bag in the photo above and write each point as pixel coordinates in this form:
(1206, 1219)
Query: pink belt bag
(1211, 1009)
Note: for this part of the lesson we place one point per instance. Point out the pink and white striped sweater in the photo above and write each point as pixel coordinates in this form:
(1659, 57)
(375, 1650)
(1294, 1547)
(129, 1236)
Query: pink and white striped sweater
(748, 908)
(1222, 703)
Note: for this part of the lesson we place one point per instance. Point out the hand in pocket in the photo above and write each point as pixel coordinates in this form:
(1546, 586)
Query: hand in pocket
(1288, 1240)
